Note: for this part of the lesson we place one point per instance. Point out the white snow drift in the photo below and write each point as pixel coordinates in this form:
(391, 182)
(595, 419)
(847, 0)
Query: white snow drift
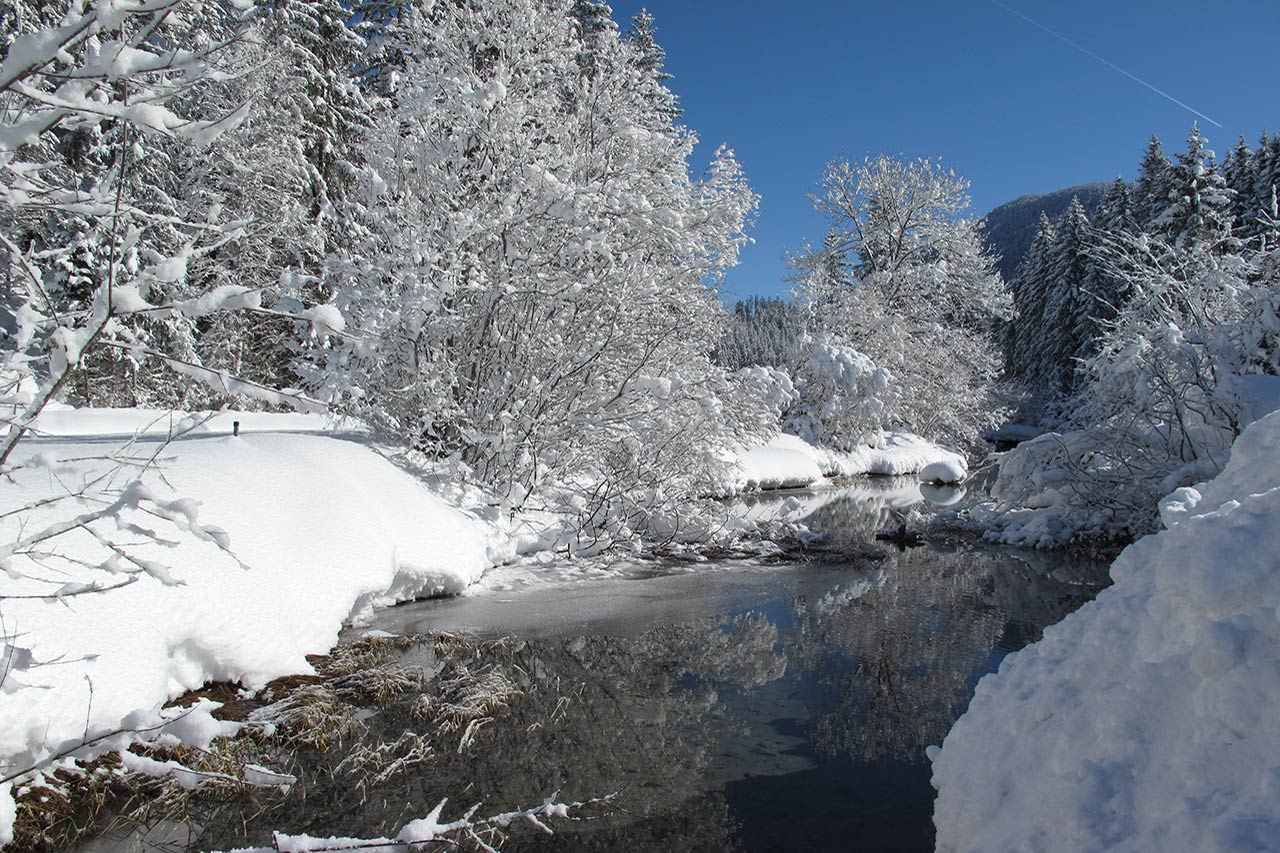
(790, 462)
(1147, 719)
(325, 530)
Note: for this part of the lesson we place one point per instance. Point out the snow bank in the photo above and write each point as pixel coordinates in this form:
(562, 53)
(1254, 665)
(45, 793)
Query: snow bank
(894, 454)
(787, 461)
(326, 529)
(1146, 720)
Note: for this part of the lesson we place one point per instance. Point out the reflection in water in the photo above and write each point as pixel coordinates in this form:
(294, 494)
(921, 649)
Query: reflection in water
(794, 716)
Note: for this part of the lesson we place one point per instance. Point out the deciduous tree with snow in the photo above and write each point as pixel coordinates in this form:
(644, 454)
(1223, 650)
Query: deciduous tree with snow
(924, 301)
(533, 300)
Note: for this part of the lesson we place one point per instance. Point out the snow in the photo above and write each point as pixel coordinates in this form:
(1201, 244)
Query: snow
(1146, 720)
(326, 529)
(787, 461)
(63, 421)
(894, 454)
(8, 813)
(943, 471)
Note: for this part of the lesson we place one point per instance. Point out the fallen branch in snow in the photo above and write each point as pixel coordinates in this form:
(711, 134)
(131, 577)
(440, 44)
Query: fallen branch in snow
(429, 829)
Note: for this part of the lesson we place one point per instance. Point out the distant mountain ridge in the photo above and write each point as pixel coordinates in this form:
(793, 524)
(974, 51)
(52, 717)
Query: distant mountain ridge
(1009, 228)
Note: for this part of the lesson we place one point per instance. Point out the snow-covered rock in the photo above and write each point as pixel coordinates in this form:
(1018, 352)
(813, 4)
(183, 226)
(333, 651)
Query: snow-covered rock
(1146, 720)
(326, 529)
(944, 471)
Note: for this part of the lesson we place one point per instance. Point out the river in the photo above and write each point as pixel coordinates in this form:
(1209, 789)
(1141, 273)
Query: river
(746, 705)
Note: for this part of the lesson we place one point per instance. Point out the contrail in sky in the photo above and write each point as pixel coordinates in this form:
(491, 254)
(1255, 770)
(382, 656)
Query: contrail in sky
(1111, 65)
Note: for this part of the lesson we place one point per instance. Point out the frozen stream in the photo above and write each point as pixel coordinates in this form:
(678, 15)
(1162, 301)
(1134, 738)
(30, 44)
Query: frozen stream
(731, 706)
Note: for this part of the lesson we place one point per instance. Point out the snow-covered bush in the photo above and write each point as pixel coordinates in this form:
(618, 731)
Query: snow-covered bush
(842, 396)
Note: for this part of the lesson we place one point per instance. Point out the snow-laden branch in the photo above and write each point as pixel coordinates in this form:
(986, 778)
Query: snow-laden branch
(431, 829)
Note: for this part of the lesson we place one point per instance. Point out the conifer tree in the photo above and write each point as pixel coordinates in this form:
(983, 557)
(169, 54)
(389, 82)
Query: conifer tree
(1238, 172)
(1025, 333)
(1199, 211)
(648, 57)
(649, 54)
(593, 25)
(1070, 300)
(1266, 177)
(1151, 190)
(328, 106)
(1116, 213)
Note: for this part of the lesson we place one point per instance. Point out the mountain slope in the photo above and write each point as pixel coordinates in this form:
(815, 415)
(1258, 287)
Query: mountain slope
(1008, 229)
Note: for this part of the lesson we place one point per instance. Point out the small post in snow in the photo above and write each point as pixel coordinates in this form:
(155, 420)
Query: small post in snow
(235, 427)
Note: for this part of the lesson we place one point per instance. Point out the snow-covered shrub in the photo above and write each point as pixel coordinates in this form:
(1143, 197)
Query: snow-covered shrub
(842, 396)
(1163, 399)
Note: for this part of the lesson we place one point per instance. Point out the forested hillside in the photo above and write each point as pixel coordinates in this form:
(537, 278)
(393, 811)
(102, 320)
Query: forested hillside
(1007, 230)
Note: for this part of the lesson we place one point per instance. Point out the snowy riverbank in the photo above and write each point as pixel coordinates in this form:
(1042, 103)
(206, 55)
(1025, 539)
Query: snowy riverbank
(1146, 720)
(317, 531)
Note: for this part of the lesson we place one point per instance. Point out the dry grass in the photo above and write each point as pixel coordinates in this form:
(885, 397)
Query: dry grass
(318, 721)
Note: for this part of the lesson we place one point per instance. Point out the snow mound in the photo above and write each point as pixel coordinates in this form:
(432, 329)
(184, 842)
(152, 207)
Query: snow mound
(894, 454)
(326, 530)
(1146, 720)
(788, 461)
(945, 471)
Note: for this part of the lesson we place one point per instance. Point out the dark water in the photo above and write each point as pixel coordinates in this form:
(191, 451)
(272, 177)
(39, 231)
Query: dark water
(755, 709)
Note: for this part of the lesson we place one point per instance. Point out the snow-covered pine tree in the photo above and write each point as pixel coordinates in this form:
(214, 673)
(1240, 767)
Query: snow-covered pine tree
(1070, 301)
(1116, 213)
(1238, 173)
(649, 58)
(1154, 183)
(324, 99)
(761, 332)
(593, 26)
(1025, 333)
(649, 54)
(1199, 210)
(1266, 181)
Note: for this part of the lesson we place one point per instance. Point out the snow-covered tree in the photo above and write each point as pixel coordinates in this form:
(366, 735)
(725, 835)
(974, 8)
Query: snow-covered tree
(761, 332)
(1199, 209)
(926, 301)
(1154, 183)
(1116, 213)
(1024, 332)
(1266, 185)
(532, 301)
(1238, 174)
(1073, 304)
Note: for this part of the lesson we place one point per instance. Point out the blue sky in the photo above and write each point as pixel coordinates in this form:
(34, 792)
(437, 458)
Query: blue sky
(790, 86)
